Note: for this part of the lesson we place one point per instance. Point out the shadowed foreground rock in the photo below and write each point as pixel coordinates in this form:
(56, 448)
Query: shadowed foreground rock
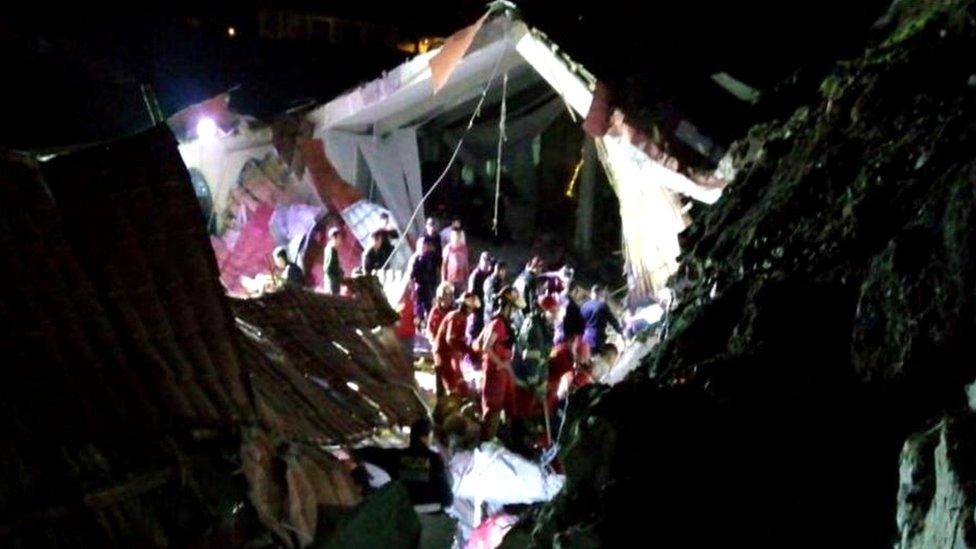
(828, 314)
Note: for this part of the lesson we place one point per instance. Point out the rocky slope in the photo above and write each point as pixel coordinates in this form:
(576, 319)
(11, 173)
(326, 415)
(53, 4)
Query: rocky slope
(826, 328)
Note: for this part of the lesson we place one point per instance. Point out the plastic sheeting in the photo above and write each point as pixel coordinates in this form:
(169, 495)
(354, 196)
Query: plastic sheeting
(294, 221)
(497, 476)
(650, 215)
(491, 477)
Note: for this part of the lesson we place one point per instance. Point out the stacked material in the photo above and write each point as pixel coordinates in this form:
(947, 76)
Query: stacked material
(127, 399)
(328, 351)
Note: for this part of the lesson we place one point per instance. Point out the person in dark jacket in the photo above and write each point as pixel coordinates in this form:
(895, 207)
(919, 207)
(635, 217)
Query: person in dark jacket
(433, 235)
(476, 285)
(570, 325)
(417, 467)
(333, 267)
(527, 284)
(532, 348)
(425, 274)
(389, 233)
(375, 256)
(596, 317)
(290, 274)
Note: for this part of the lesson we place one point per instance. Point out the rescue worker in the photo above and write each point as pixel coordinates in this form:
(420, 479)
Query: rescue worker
(443, 303)
(476, 285)
(532, 348)
(496, 344)
(406, 326)
(290, 275)
(563, 359)
(421, 470)
(333, 267)
(597, 316)
(556, 282)
(450, 346)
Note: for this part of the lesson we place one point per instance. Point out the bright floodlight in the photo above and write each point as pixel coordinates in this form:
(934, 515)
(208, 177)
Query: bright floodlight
(206, 129)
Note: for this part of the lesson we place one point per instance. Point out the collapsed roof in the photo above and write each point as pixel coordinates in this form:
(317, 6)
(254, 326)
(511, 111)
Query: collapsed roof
(131, 399)
(378, 123)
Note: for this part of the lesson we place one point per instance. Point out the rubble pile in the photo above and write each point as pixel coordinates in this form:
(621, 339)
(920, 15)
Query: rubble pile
(824, 328)
(142, 407)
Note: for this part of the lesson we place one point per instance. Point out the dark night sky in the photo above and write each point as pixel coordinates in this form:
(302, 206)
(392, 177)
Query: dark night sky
(77, 74)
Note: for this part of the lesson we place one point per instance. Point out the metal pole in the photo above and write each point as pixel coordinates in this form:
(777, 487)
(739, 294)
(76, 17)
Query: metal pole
(152, 105)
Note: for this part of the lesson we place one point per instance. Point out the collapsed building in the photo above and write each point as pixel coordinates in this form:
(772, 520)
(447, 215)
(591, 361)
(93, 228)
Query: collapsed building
(428, 131)
(822, 331)
(814, 387)
(142, 406)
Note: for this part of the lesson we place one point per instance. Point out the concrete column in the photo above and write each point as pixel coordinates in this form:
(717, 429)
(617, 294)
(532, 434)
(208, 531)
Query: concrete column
(585, 197)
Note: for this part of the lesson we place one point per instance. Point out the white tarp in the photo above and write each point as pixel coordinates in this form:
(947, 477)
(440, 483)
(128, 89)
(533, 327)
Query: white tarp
(650, 215)
(490, 477)
(499, 477)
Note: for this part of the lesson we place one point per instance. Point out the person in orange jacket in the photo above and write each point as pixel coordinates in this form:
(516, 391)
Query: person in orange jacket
(451, 345)
(496, 344)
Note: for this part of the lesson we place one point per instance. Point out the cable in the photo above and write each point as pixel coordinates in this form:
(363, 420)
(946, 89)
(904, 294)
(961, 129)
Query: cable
(457, 149)
(498, 161)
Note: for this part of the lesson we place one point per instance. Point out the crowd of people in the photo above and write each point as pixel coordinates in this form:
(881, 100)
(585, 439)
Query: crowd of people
(529, 337)
(526, 342)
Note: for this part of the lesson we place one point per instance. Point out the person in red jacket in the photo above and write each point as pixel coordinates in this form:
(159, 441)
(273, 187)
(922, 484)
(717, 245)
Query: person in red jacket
(443, 303)
(451, 345)
(564, 359)
(496, 345)
(406, 328)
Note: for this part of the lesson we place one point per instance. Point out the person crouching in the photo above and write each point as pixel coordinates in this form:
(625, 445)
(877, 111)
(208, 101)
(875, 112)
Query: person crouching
(450, 345)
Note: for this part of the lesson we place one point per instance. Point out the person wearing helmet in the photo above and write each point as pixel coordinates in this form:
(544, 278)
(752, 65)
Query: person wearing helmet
(532, 348)
(443, 303)
(496, 344)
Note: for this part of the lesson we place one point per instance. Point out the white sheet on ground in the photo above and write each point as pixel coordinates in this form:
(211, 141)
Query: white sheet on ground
(498, 476)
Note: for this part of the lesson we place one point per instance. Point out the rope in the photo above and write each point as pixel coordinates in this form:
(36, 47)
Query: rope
(457, 149)
(498, 161)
